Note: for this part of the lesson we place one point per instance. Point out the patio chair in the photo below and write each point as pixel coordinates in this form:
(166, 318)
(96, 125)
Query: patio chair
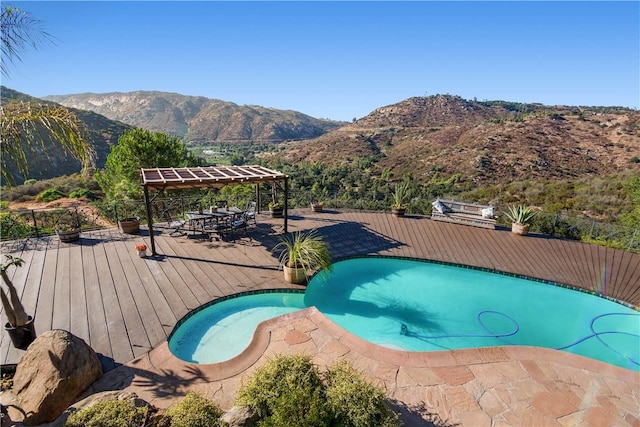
(176, 226)
(250, 213)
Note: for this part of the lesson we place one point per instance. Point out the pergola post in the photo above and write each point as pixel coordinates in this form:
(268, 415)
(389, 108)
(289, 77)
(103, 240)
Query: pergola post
(286, 203)
(147, 204)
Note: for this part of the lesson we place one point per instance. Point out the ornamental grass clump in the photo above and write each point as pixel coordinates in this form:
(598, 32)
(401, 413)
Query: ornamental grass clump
(304, 250)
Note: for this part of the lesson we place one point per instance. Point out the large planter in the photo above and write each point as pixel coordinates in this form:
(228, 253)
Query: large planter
(22, 336)
(520, 229)
(295, 275)
(129, 225)
(277, 212)
(398, 211)
(67, 236)
(316, 207)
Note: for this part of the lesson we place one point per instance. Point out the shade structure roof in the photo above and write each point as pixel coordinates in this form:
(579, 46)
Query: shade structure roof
(209, 176)
(159, 179)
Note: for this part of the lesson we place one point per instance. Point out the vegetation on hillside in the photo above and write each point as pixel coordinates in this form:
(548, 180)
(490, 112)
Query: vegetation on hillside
(138, 149)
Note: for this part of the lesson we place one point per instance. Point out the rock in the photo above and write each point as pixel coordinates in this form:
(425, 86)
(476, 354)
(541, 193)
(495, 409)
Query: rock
(239, 416)
(56, 368)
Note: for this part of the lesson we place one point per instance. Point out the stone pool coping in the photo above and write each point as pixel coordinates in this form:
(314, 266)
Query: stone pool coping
(483, 386)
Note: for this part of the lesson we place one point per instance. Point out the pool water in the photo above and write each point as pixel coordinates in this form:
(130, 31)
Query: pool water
(422, 306)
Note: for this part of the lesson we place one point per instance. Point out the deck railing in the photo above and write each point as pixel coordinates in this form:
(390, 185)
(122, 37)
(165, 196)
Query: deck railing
(33, 223)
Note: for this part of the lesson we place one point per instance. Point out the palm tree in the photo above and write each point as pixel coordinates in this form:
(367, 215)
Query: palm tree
(26, 127)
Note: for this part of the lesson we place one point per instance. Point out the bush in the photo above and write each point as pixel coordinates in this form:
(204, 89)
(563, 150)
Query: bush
(193, 411)
(50, 195)
(286, 391)
(289, 390)
(83, 192)
(109, 413)
(354, 401)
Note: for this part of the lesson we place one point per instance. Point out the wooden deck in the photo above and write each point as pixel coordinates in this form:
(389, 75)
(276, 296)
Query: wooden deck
(123, 305)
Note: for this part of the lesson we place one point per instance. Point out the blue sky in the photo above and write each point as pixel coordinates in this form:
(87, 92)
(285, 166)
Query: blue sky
(339, 60)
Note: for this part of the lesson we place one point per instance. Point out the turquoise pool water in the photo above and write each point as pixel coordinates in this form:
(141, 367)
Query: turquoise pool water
(422, 306)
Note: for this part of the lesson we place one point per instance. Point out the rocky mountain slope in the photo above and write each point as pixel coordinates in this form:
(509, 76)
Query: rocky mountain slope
(200, 120)
(444, 136)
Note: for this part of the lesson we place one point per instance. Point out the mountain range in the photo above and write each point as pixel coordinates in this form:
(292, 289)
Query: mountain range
(199, 120)
(434, 137)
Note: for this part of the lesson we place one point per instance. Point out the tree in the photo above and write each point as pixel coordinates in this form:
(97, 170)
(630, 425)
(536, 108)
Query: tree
(137, 149)
(26, 127)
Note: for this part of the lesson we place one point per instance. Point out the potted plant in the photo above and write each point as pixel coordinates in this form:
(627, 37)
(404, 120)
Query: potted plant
(130, 225)
(303, 253)
(401, 195)
(69, 233)
(20, 326)
(316, 206)
(142, 250)
(521, 218)
(277, 209)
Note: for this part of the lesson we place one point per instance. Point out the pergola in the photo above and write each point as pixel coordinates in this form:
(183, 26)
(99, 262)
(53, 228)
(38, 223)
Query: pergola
(160, 179)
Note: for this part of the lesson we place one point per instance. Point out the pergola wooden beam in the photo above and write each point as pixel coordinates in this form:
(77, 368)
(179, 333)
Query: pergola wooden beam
(206, 177)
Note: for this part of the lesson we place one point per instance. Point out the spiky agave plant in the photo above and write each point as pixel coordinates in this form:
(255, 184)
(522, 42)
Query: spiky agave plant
(13, 308)
(521, 214)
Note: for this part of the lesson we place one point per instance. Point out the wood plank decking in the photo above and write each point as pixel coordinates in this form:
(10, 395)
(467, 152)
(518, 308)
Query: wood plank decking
(123, 306)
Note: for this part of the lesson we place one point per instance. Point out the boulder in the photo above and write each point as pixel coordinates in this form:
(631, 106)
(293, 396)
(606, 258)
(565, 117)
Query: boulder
(239, 416)
(56, 368)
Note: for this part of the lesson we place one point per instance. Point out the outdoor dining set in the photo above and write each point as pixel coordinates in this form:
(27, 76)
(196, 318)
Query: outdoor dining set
(216, 221)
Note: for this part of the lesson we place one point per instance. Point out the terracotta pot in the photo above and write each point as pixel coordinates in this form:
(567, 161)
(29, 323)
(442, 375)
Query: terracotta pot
(130, 225)
(22, 336)
(316, 207)
(295, 275)
(520, 229)
(68, 236)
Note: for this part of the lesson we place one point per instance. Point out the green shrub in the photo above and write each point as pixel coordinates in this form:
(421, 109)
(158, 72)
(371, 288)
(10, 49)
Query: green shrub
(286, 391)
(83, 192)
(356, 402)
(109, 413)
(49, 195)
(193, 411)
(290, 391)
(13, 227)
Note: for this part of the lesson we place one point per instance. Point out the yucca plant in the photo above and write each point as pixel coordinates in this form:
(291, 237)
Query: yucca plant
(304, 252)
(20, 325)
(521, 214)
(14, 310)
(401, 194)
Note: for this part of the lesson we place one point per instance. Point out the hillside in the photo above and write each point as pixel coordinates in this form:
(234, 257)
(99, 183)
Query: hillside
(200, 120)
(442, 136)
(102, 134)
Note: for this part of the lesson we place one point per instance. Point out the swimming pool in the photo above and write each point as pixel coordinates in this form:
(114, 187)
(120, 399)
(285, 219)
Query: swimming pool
(423, 306)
